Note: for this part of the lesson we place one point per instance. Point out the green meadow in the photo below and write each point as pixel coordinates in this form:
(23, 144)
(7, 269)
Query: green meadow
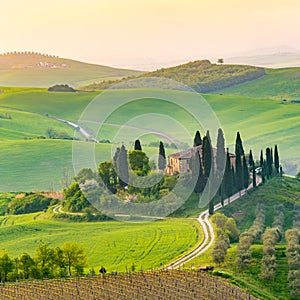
(28, 162)
(277, 84)
(115, 245)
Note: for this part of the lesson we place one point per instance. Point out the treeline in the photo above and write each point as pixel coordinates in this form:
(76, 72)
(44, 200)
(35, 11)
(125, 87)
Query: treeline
(27, 53)
(48, 262)
(30, 203)
(248, 237)
(61, 88)
(201, 75)
(226, 233)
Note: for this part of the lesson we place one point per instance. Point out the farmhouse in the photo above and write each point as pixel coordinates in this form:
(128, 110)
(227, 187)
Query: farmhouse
(180, 162)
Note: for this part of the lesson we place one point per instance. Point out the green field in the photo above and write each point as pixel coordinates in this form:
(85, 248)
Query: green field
(112, 244)
(22, 70)
(29, 163)
(278, 84)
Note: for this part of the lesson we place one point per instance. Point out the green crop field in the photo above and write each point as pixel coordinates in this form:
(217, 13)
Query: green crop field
(278, 84)
(36, 164)
(114, 245)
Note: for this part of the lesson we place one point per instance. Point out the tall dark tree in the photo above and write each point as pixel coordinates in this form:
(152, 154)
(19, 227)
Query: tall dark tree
(197, 172)
(137, 145)
(239, 144)
(161, 157)
(122, 167)
(221, 154)
(269, 163)
(245, 173)
(264, 171)
(239, 180)
(228, 178)
(207, 155)
(276, 159)
(251, 161)
(253, 175)
(197, 139)
(261, 160)
(211, 207)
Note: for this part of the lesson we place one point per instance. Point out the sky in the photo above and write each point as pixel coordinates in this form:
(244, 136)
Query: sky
(137, 32)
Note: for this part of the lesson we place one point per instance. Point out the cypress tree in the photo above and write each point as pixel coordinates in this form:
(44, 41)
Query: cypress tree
(269, 163)
(239, 144)
(245, 173)
(161, 157)
(122, 167)
(253, 175)
(211, 207)
(261, 160)
(227, 179)
(238, 164)
(197, 172)
(251, 161)
(221, 154)
(197, 139)
(276, 159)
(137, 145)
(207, 155)
(264, 171)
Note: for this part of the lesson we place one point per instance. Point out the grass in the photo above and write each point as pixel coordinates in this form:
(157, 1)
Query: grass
(75, 73)
(112, 244)
(38, 164)
(277, 84)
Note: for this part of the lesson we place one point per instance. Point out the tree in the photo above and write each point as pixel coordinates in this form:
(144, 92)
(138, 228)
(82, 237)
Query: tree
(137, 145)
(197, 172)
(108, 175)
(261, 160)
(221, 155)
(74, 257)
(239, 180)
(251, 160)
(75, 200)
(197, 139)
(211, 207)
(221, 61)
(228, 177)
(122, 167)
(139, 162)
(269, 163)
(6, 265)
(161, 157)
(245, 173)
(253, 175)
(276, 159)
(207, 155)
(45, 259)
(25, 264)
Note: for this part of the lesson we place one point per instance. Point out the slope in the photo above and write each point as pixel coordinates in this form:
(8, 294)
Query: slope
(40, 70)
(278, 84)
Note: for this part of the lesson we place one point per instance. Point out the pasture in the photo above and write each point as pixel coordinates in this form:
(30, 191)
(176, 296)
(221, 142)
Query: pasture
(115, 245)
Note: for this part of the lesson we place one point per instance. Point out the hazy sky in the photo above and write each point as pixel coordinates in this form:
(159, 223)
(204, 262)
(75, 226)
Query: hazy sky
(132, 32)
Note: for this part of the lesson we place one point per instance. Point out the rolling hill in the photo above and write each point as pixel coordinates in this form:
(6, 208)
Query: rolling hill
(39, 70)
(276, 84)
(201, 75)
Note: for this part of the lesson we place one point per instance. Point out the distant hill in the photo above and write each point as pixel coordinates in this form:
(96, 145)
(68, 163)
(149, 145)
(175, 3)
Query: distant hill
(42, 70)
(201, 75)
(277, 84)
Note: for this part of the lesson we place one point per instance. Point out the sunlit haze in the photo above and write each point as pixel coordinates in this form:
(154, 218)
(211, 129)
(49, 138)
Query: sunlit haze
(135, 32)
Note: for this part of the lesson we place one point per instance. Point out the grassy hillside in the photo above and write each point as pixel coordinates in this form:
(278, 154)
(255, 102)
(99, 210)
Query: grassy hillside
(114, 245)
(201, 75)
(278, 84)
(38, 164)
(38, 70)
(276, 191)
